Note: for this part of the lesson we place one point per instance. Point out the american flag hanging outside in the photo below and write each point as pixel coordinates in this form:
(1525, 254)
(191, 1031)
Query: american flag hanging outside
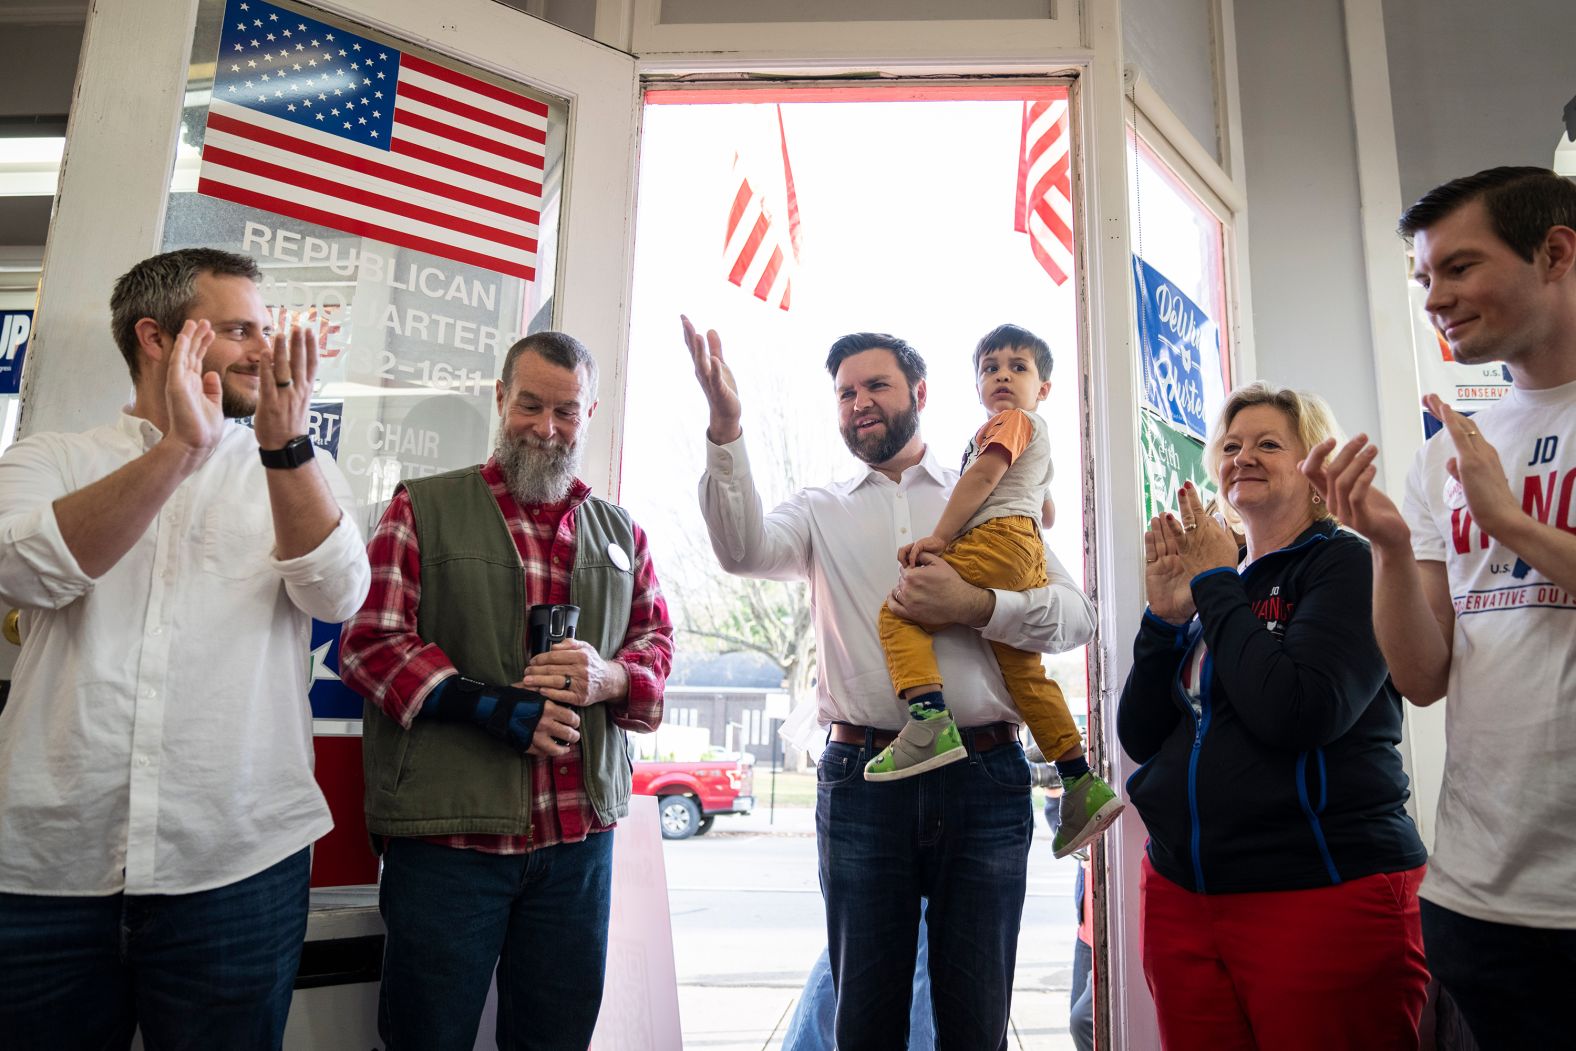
(318, 124)
(756, 239)
(1045, 187)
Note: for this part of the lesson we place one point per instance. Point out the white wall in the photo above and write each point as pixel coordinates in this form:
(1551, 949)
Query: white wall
(1477, 85)
(1310, 300)
(1173, 43)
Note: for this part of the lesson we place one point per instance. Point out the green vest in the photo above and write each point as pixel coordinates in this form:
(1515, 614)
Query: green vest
(441, 778)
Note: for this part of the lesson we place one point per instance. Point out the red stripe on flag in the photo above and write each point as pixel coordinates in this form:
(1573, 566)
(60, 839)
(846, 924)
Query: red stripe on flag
(466, 138)
(355, 195)
(1020, 214)
(1046, 262)
(787, 300)
(465, 167)
(763, 287)
(747, 254)
(1056, 179)
(741, 201)
(462, 109)
(335, 221)
(1053, 222)
(376, 169)
(795, 235)
(481, 87)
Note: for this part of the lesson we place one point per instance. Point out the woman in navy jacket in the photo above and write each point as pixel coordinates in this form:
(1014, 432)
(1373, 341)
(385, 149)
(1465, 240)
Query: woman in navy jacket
(1279, 890)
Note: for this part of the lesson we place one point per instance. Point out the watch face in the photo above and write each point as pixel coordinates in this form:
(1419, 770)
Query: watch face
(296, 451)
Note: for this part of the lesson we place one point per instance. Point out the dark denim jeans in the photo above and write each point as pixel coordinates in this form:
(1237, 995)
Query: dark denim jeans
(959, 837)
(199, 971)
(452, 915)
(811, 1027)
(1508, 982)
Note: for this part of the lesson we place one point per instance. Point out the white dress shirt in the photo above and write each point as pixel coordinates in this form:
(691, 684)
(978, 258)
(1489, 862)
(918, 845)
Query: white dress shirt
(158, 738)
(843, 539)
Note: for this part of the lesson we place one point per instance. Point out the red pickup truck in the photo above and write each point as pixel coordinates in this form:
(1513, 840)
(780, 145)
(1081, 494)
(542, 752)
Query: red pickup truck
(691, 795)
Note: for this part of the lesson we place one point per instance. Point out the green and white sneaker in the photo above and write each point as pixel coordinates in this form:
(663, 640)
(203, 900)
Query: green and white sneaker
(1088, 806)
(928, 741)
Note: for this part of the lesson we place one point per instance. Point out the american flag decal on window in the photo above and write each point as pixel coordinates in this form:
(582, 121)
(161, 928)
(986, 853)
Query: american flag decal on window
(315, 123)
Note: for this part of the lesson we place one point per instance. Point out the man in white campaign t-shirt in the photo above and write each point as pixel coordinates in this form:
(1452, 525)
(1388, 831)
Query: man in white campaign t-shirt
(1475, 597)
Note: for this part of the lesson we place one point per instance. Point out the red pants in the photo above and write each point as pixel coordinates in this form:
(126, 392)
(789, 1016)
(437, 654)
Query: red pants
(1325, 969)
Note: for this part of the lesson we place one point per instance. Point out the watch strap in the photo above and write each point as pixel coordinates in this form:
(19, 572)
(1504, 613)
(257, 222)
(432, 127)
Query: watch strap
(296, 452)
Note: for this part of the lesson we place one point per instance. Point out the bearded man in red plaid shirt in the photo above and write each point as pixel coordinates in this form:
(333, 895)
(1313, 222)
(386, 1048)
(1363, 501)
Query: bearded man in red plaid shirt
(494, 778)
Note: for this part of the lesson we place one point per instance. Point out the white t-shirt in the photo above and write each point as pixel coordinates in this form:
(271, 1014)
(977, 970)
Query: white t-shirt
(1505, 851)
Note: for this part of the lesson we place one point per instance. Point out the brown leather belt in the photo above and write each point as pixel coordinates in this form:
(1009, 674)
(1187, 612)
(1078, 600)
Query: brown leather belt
(975, 738)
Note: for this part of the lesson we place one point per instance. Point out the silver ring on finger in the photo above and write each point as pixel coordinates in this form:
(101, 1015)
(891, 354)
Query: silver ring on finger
(282, 384)
(568, 683)
(1190, 527)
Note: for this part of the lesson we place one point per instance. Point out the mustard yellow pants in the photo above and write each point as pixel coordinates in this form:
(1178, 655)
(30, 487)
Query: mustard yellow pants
(1004, 553)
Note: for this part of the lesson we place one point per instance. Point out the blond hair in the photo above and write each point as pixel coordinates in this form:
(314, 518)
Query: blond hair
(1310, 418)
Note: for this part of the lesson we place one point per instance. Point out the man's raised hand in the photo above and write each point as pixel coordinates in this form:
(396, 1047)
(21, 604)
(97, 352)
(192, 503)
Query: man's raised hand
(193, 398)
(1346, 483)
(285, 377)
(716, 382)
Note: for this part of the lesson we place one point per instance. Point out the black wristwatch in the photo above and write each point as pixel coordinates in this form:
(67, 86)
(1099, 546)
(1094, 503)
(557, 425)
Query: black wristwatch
(297, 451)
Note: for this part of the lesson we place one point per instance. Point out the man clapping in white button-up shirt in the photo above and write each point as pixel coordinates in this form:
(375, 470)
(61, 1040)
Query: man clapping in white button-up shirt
(156, 790)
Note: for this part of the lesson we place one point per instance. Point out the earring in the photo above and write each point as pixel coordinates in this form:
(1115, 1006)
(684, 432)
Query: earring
(1317, 499)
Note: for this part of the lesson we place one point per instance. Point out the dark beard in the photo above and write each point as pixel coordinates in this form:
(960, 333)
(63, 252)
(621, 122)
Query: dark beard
(536, 471)
(899, 430)
(236, 406)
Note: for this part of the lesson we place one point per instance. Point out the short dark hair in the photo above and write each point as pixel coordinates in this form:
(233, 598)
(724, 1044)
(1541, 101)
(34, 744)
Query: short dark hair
(560, 348)
(1015, 337)
(163, 287)
(908, 358)
(1523, 203)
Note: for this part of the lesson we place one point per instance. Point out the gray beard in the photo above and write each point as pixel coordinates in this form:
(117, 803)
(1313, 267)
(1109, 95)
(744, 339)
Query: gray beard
(535, 471)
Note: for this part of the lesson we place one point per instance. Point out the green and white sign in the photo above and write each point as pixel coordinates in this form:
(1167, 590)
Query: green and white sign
(1170, 457)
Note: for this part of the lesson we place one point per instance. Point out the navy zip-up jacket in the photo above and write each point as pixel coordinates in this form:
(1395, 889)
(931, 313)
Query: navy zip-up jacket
(1289, 778)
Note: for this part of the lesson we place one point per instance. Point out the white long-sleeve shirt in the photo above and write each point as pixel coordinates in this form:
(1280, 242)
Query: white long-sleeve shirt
(158, 738)
(843, 539)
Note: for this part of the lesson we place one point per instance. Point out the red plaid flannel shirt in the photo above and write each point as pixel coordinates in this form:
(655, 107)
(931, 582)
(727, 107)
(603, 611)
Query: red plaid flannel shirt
(383, 659)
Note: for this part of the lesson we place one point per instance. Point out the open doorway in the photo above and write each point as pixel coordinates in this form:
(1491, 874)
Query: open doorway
(785, 217)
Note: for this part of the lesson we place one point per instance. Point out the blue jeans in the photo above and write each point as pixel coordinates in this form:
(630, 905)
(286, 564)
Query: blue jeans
(1509, 982)
(1080, 1015)
(206, 970)
(810, 1028)
(452, 915)
(957, 836)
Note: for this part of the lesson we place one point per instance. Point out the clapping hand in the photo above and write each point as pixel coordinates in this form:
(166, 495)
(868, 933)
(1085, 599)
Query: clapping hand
(1346, 484)
(1167, 583)
(1477, 467)
(286, 374)
(1176, 552)
(194, 398)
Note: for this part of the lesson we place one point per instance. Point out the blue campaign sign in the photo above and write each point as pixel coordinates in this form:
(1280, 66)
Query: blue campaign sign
(322, 424)
(16, 327)
(1177, 341)
(331, 698)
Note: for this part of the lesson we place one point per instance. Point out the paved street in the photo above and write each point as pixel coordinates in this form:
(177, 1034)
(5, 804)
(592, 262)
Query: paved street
(748, 924)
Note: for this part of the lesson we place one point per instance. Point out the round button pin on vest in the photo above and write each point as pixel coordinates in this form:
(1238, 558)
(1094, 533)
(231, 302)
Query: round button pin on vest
(617, 556)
